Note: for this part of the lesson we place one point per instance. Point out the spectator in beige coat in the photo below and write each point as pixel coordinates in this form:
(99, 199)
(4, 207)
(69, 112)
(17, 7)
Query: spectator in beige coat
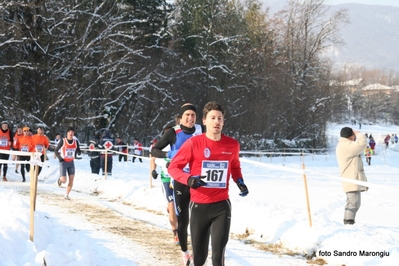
(349, 150)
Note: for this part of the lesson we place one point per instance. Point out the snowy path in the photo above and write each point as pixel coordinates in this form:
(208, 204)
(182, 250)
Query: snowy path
(120, 233)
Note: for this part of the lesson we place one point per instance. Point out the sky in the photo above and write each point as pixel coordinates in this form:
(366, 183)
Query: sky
(122, 219)
(366, 2)
(336, 2)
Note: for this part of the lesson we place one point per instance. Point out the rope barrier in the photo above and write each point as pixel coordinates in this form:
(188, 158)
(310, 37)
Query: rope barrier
(300, 172)
(262, 164)
(116, 152)
(35, 161)
(22, 153)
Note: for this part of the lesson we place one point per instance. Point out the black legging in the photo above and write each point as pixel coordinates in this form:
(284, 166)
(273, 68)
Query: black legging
(122, 156)
(40, 168)
(211, 219)
(181, 194)
(5, 166)
(24, 166)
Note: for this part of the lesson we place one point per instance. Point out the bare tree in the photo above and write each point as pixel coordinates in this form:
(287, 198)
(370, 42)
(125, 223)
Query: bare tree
(303, 30)
(86, 64)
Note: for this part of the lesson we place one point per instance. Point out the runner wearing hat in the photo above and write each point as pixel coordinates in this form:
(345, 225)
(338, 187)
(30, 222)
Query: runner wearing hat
(24, 144)
(40, 144)
(181, 192)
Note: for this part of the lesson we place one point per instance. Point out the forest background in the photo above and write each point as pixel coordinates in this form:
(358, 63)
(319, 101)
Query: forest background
(128, 65)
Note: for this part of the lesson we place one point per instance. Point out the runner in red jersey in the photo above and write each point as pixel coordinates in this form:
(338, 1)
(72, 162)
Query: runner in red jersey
(6, 141)
(40, 144)
(213, 158)
(66, 151)
(25, 144)
(17, 135)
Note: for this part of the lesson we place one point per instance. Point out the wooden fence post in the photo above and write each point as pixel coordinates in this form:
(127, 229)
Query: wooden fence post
(307, 195)
(32, 201)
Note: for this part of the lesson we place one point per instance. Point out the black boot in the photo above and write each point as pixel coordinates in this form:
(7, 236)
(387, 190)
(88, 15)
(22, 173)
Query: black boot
(349, 221)
(154, 174)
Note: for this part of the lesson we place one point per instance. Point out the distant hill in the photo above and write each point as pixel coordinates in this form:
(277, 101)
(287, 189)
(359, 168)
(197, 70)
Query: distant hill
(371, 39)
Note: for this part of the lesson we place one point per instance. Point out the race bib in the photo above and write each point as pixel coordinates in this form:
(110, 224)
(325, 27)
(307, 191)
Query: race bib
(25, 148)
(3, 143)
(69, 153)
(216, 173)
(39, 148)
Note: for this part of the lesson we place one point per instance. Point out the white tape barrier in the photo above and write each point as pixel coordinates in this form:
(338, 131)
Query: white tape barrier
(117, 152)
(36, 160)
(22, 153)
(274, 153)
(300, 171)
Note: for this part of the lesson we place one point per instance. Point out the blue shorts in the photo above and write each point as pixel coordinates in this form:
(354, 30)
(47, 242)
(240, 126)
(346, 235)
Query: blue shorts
(167, 191)
(67, 167)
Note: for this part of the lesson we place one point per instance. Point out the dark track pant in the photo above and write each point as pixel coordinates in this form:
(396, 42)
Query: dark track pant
(181, 194)
(24, 166)
(95, 165)
(4, 156)
(210, 220)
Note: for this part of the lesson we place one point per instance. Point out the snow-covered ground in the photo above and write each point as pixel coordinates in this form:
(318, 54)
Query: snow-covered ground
(275, 212)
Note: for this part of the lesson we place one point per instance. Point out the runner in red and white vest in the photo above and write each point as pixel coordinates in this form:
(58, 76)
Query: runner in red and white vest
(138, 150)
(66, 152)
(6, 141)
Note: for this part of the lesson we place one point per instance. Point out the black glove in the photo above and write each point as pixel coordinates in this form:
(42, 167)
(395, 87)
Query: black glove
(154, 174)
(195, 181)
(243, 188)
(62, 160)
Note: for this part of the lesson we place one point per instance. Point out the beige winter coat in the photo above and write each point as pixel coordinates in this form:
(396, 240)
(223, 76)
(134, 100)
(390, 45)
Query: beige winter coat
(350, 161)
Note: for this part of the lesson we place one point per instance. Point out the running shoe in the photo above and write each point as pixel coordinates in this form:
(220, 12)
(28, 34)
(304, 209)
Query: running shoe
(59, 182)
(175, 237)
(5, 179)
(67, 197)
(187, 258)
(16, 171)
(176, 240)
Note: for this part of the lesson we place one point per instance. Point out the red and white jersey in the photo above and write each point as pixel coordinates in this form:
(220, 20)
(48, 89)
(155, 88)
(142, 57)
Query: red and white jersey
(67, 150)
(5, 140)
(138, 148)
(40, 143)
(25, 144)
(217, 160)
